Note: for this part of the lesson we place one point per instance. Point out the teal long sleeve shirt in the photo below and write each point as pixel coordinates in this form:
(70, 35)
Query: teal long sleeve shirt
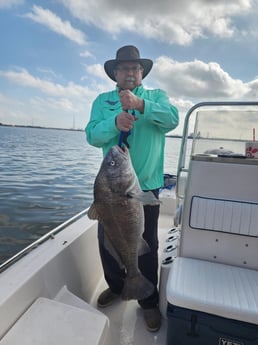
(147, 138)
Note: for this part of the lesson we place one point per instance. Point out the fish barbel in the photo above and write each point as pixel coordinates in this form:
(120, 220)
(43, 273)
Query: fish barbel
(118, 206)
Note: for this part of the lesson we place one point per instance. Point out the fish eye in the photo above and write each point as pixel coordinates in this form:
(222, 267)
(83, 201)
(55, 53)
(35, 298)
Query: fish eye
(112, 163)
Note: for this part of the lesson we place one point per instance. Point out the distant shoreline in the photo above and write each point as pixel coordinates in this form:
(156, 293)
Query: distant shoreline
(69, 129)
(41, 127)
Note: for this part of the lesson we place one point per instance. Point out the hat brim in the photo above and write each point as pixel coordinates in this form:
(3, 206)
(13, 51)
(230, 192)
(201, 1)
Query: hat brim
(110, 65)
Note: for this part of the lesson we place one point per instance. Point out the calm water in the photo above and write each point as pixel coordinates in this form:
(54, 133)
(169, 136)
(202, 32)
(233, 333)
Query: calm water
(46, 177)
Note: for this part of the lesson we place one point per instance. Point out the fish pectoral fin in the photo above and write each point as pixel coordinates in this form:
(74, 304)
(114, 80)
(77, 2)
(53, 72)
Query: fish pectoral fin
(147, 198)
(143, 247)
(92, 212)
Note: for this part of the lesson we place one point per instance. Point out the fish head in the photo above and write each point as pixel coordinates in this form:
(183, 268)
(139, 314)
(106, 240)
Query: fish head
(117, 163)
(116, 170)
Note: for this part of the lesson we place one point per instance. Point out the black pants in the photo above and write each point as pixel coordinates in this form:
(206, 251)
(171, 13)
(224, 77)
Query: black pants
(148, 263)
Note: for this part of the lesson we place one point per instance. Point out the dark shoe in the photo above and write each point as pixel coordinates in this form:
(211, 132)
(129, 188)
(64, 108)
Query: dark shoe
(152, 319)
(106, 298)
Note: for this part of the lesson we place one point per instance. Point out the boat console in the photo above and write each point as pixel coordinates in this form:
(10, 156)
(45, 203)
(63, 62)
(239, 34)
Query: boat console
(212, 287)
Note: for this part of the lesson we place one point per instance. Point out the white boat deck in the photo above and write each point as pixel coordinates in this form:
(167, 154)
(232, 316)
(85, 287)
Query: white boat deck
(63, 316)
(127, 325)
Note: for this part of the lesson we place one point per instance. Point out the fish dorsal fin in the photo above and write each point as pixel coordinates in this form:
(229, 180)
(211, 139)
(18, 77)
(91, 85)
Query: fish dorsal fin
(147, 198)
(92, 212)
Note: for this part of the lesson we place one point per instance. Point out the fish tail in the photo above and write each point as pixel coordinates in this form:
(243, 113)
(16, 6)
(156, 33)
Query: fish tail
(137, 287)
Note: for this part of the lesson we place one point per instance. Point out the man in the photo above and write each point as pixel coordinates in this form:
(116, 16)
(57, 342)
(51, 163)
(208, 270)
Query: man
(147, 115)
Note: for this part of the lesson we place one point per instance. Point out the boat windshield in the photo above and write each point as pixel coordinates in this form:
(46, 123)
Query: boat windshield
(224, 132)
(217, 128)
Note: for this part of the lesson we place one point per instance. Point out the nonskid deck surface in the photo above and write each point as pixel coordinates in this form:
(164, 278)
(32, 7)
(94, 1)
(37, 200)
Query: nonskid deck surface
(127, 326)
(126, 321)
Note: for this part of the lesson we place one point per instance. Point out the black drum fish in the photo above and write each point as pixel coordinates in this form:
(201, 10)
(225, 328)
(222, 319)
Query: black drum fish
(118, 206)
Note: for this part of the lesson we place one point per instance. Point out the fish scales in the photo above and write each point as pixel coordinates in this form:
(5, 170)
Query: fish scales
(118, 205)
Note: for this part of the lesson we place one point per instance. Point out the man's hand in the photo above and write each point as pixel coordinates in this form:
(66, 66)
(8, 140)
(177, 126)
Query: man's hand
(130, 101)
(124, 121)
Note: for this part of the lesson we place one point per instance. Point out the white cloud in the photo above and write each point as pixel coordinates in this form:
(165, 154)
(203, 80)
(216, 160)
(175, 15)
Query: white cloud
(96, 70)
(186, 83)
(43, 111)
(49, 103)
(57, 104)
(197, 80)
(190, 80)
(253, 89)
(48, 73)
(45, 92)
(24, 78)
(14, 110)
(86, 54)
(56, 24)
(96, 76)
(178, 21)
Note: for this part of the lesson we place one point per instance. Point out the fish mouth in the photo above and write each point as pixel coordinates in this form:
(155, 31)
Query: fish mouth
(123, 150)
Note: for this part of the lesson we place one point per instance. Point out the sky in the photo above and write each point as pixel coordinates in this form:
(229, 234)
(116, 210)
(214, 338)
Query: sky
(53, 52)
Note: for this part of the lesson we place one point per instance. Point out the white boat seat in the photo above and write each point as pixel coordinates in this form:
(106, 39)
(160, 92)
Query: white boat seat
(49, 322)
(214, 288)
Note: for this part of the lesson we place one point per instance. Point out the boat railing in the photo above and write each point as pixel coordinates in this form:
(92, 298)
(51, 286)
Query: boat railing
(35, 244)
(182, 169)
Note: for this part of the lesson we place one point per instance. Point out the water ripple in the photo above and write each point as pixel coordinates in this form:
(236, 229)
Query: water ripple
(46, 177)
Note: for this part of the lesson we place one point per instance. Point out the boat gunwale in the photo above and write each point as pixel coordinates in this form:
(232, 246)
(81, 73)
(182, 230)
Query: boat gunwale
(42, 239)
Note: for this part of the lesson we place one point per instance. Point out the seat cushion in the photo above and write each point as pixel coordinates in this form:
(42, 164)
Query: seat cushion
(214, 288)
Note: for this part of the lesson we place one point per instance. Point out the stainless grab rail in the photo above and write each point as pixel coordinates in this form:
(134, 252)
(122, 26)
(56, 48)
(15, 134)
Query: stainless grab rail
(182, 154)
